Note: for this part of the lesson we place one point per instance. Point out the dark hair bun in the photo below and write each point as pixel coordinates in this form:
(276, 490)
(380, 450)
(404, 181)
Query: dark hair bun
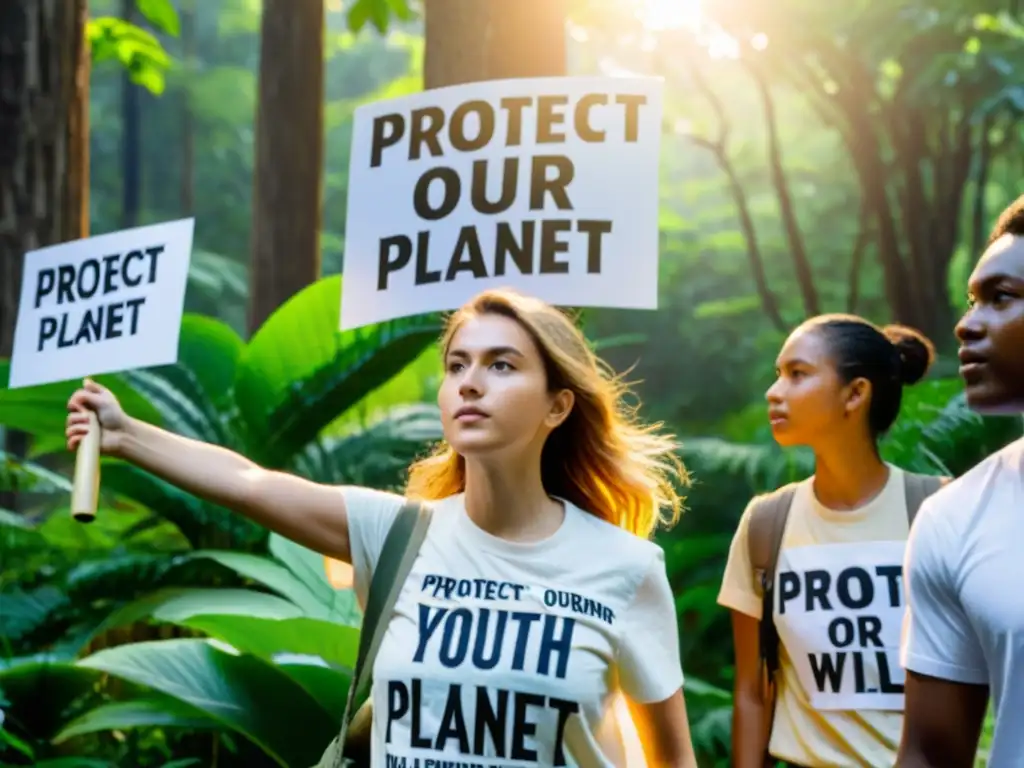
(916, 352)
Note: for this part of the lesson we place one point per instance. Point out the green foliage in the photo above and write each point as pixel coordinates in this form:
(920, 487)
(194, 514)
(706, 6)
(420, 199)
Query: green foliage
(353, 408)
(273, 666)
(136, 49)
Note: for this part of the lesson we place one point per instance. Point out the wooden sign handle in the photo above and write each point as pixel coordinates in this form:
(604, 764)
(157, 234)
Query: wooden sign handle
(86, 489)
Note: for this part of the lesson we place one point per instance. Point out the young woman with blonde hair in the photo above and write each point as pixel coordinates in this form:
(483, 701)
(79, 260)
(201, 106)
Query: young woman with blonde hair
(536, 597)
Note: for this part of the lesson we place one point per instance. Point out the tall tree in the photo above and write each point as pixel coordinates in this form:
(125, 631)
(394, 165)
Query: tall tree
(912, 90)
(44, 162)
(474, 40)
(131, 136)
(288, 170)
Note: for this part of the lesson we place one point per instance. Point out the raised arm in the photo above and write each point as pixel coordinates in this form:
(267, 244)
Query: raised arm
(947, 681)
(750, 713)
(310, 514)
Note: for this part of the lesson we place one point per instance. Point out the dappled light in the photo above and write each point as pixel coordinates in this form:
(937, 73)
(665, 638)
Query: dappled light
(720, 170)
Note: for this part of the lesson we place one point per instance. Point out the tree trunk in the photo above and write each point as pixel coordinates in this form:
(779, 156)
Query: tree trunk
(188, 55)
(44, 161)
(131, 136)
(288, 174)
(473, 40)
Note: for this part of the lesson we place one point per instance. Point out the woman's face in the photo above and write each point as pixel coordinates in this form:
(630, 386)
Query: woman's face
(807, 402)
(495, 390)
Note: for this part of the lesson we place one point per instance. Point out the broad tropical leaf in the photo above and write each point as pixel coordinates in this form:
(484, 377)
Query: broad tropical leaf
(417, 383)
(272, 575)
(182, 411)
(148, 712)
(242, 692)
(308, 567)
(208, 354)
(22, 612)
(42, 410)
(299, 373)
(195, 518)
(938, 434)
(377, 455)
(179, 606)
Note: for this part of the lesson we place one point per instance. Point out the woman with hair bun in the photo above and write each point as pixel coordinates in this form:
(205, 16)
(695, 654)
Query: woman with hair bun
(537, 602)
(813, 578)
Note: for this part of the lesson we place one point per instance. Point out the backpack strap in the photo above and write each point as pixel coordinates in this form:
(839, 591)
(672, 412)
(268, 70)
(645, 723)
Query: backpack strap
(401, 547)
(918, 488)
(765, 528)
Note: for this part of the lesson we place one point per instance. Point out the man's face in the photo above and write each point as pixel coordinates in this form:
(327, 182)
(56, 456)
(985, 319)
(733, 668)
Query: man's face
(991, 334)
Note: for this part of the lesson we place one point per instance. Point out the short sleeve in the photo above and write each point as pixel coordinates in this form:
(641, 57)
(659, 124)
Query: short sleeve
(648, 657)
(737, 590)
(370, 515)
(938, 639)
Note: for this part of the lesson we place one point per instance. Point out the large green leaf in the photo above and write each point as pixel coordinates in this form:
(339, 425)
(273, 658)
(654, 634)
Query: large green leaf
(937, 433)
(208, 354)
(194, 518)
(376, 456)
(299, 373)
(270, 574)
(268, 637)
(42, 410)
(328, 685)
(305, 564)
(184, 411)
(242, 692)
(21, 612)
(262, 625)
(148, 712)
(180, 605)
(111, 525)
(308, 567)
(417, 383)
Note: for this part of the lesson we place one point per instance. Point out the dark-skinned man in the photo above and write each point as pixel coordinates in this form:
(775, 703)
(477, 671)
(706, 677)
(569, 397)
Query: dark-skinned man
(964, 570)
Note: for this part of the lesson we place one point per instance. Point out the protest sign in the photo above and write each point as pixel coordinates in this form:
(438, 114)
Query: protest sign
(840, 615)
(548, 185)
(102, 304)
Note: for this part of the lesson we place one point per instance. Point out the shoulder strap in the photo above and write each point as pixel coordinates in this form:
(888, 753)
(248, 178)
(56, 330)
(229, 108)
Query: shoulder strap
(767, 524)
(918, 488)
(401, 546)
(765, 529)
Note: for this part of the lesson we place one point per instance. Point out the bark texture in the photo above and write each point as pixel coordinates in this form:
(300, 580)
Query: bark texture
(288, 176)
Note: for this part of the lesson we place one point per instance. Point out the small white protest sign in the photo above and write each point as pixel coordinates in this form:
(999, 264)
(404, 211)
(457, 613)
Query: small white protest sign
(547, 185)
(839, 612)
(102, 304)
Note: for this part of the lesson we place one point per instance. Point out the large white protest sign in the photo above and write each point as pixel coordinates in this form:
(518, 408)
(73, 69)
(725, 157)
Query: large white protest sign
(102, 304)
(839, 614)
(548, 185)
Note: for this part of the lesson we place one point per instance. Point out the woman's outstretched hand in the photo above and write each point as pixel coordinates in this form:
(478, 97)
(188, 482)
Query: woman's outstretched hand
(101, 401)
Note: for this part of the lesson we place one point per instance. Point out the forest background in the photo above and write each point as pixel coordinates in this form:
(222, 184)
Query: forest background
(815, 158)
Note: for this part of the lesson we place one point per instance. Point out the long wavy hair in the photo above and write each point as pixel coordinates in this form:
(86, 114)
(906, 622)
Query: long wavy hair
(601, 458)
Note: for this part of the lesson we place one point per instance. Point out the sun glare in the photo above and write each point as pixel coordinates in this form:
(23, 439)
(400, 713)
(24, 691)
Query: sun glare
(661, 15)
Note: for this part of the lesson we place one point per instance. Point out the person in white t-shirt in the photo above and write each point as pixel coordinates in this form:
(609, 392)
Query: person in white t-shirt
(964, 639)
(836, 599)
(538, 610)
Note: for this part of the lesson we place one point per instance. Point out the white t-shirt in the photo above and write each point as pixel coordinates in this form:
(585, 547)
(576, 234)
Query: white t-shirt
(511, 654)
(964, 570)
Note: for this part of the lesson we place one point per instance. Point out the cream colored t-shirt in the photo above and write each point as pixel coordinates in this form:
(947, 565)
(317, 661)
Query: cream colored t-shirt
(839, 609)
